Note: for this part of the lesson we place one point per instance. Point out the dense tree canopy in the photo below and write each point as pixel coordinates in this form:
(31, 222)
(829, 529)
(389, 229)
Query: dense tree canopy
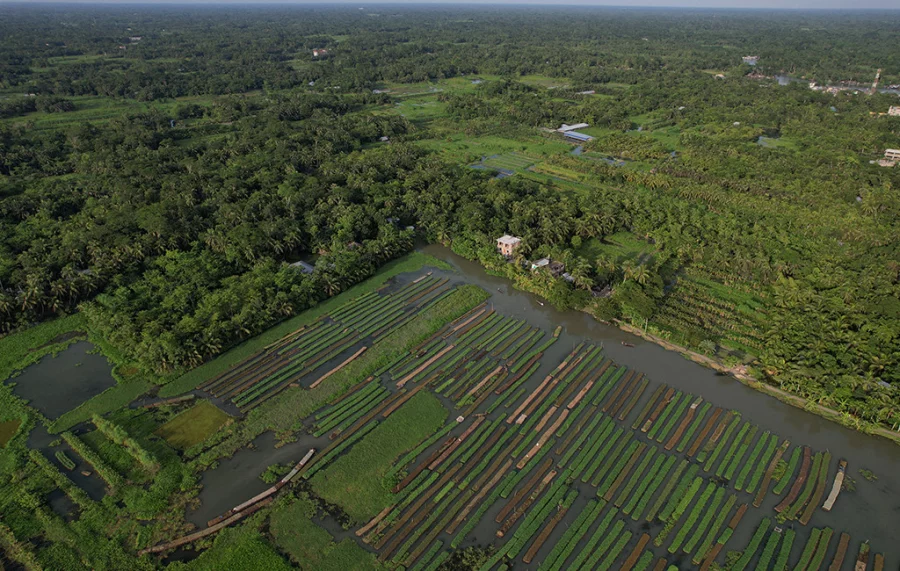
(171, 222)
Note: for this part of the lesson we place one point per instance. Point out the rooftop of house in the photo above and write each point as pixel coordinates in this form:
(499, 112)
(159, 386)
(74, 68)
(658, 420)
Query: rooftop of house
(509, 240)
(565, 128)
(578, 136)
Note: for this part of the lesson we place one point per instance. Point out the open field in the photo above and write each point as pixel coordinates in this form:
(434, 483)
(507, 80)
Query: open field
(310, 545)
(471, 149)
(621, 247)
(193, 426)
(99, 109)
(8, 429)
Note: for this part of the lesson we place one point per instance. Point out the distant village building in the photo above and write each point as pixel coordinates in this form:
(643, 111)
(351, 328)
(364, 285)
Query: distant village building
(135, 39)
(507, 244)
(384, 139)
(566, 128)
(601, 292)
(577, 137)
(891, 158)
(304, 267)
(588, 92)
(320, 52)
(557, 269)
(750, 60)
(542, 263)
(894, 111)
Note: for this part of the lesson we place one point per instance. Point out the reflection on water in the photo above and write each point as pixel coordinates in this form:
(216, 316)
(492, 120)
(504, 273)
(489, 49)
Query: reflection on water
(56, 385)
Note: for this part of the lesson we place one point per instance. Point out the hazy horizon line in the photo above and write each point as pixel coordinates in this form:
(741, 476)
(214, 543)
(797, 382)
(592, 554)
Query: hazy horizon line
(639, 4)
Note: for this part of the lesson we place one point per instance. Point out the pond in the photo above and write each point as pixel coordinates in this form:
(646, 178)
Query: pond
(869, 513)
(83, 475)
(57, 384)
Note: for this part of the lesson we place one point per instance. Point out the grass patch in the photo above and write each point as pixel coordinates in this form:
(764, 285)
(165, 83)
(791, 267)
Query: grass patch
(313, 547)
(598, 132)
(113, 398)
(193, 426)
(422, 109)
(238, 548)
(619, 247)
(195, 377)
(356, 481)
(8, 429)
(464, 150)
(543, 81)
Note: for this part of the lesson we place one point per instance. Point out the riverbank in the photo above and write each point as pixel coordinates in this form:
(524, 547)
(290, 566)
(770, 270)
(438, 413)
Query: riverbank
(788, 398)
(843, 419)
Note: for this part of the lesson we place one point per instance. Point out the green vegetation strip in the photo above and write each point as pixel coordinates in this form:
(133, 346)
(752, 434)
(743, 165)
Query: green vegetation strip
(784, 553)
(660, 467)
(684, 501)
(698, 421)
(707, 518)
(769, 551)
(763, 441)
(572, 536)
(750, 551)
(717, 524)
(688, 525)
(736, 452)
(789, 471)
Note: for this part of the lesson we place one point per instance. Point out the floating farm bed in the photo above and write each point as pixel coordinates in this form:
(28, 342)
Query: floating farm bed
(486, 432)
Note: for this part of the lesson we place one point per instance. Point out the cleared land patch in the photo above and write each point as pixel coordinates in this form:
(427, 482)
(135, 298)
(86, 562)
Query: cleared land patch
(8, 429)
(355, 481)
(193, 426)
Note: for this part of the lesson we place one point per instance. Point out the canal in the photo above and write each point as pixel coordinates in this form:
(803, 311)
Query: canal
(871, 512)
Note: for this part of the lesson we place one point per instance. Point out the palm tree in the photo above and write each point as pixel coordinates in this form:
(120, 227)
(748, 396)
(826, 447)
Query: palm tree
(641, 274)
(580, 272)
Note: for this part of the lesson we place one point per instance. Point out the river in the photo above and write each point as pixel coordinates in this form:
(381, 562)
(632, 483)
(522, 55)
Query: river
(872, 512)
(869, 513)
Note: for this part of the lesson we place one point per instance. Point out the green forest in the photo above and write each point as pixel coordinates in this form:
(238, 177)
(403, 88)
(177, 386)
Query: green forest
(158, 179)
(178, 184)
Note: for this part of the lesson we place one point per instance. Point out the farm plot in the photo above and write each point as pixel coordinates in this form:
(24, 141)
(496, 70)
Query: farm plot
(508, 162)
(530, 456)
(342, 336)
(575, 463)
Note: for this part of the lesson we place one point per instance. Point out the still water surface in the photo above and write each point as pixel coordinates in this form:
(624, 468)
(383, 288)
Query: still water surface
(57, 384)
